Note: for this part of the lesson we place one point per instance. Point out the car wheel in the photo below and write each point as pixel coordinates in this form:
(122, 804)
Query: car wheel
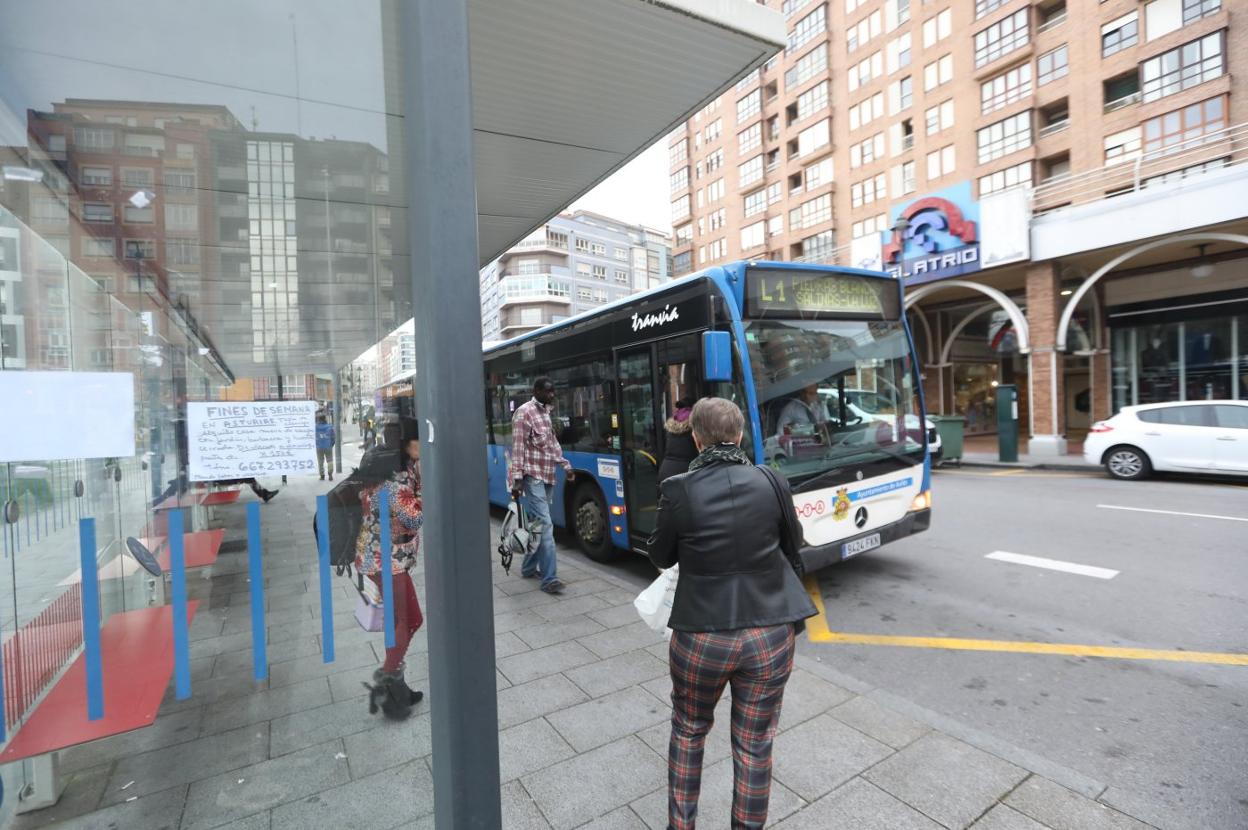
(591, 524)
(1127, 463)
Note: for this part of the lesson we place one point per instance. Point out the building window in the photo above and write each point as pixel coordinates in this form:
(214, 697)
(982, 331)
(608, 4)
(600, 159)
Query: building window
(940, 163)
(866, 152)
(96, 176)
(749, 106)
(715, 191)
(678, 152)
(621, 276)
(682, 263)
(808, 28)
(1193, 10)
(718, 218)
(750, 139)
(811, 212)
(753, 236)
(812, 100)
(819, 248)
(938, 72)
(182, 251)
(905, 93)
(1182, 68)
(819, 173)
(907, 177)
(583, 269)
(600, 272)
(94, 138)
(750, 171)
(1122, 146)
(621, 254)
(582, 245)
(1019, 174)
(866, 111)
(773, 193)
(1001, 38)
(1003, 90)
(598, 249)
(1051, 65)
(584, 294)
(869, 226)
(680, 210)
(1120, 34)
(719, 249)
(140, 249)
(180, 217)
(940, 117)
(1185, 126)
(680, 180)
(1004, 137)
(937, 28)
(985, 7)
(868, 190)
(713, 130)
(138, 176)
(91, 246)
(684, 235)
(814, 62)
(53, 213)
(179, 181)
(138, 215)
(863, 72)
(755, 202)
(814, 137)
(870, 26)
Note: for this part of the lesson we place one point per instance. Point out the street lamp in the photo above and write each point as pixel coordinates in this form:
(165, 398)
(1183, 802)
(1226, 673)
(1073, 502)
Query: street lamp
(899, 229)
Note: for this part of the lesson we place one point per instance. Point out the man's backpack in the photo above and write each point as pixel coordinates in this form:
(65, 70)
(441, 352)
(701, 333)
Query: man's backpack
(345, 519)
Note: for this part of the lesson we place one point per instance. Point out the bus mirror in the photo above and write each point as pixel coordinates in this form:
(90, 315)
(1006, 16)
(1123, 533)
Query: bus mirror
(717, 356)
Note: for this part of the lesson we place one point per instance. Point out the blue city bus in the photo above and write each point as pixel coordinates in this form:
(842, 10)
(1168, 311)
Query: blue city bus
(819, 358)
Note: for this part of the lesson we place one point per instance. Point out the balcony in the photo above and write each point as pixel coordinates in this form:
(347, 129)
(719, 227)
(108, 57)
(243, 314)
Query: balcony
(1190, 184)
(1123, 102)
(1054, 128)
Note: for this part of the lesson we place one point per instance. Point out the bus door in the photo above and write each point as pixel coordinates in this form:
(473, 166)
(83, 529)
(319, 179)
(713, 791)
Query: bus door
(639, 445)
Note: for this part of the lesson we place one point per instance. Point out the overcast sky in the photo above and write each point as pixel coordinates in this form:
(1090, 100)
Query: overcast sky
(637, 193)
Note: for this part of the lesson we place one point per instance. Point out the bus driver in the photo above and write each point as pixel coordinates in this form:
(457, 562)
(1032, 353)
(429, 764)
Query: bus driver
(806, 408)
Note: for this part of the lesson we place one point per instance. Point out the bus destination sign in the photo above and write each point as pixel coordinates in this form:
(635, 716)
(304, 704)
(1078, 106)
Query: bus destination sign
(807, 294)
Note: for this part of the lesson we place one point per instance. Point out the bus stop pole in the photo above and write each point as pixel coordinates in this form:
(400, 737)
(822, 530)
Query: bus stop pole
(450, 406)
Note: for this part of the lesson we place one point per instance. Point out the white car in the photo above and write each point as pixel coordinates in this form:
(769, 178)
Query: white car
(1189, 437)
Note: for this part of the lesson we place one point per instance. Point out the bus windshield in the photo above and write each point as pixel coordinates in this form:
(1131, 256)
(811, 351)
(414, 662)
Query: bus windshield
(833, 393)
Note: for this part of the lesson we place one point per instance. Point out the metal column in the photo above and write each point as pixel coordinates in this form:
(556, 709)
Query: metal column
(442, 225)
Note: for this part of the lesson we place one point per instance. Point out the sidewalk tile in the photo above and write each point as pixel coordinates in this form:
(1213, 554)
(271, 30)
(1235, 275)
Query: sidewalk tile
(507, 644)
(617, 673)
(386, 799)
(621, 819)
(187, 762)
(595, 783)
(617, 596)
(1059, 808)
(213, 690)
(521, 668)
(565, 608)
(306, 668)
(520, 811)
(605, 719)
(920, 776)
(167, 730)
(512, 620)
(880, 722)
(390, 744)
(715, 800)
(521, 602)
(582, 587)
(661, 650)
(536, 698)
(614, 616)
(806, 696)
(619, 640)
(821, 754)
(81, 795)
(530, 747)
(260, 821)
(310, 727)
(560, 631)
(661, 688)
(241, 660)
(861, 806)
(348, 685)
(249, 790)
(1003, 818)
(500, 682)
(151, 812)
(213, 646)
(513, 586)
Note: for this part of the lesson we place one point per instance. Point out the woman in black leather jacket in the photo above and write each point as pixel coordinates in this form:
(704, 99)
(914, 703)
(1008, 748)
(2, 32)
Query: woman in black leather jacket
(738, 602)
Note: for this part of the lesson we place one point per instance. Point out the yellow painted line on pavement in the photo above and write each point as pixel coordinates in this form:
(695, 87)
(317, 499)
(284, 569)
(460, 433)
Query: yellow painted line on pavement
(817, 631)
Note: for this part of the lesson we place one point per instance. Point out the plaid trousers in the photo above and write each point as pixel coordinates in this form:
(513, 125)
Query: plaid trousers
(757, 663)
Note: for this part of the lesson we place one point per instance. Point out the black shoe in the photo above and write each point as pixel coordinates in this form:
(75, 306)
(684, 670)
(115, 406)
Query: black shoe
(391, 694)
(268, 495)
(322, 477)
(553, 587)
(331, 476)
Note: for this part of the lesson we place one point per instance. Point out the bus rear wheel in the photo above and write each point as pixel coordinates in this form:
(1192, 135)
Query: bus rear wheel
(591, 524)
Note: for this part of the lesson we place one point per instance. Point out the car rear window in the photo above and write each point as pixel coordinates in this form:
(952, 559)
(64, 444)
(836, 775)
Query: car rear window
(1231, 416)
(1188, 416)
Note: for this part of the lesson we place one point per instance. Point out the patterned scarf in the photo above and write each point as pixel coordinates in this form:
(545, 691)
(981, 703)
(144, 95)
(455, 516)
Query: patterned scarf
(729, 453)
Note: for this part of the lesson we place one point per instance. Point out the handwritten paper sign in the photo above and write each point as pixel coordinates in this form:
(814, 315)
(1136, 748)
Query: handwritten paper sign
(245, 439)
(59, 415)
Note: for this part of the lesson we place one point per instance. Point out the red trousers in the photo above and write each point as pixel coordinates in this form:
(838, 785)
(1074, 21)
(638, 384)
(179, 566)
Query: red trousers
(407, 618)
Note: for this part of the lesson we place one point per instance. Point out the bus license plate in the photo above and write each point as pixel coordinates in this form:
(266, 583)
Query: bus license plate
(859, 545)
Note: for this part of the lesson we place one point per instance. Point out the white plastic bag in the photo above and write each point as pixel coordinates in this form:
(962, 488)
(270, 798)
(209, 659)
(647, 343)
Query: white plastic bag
(655, 603)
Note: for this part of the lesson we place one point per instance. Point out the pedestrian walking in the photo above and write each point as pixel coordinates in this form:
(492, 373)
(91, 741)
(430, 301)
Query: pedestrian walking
(535, 454)
(325, 438)
(389, 690)
(738, 605)
(679, 449)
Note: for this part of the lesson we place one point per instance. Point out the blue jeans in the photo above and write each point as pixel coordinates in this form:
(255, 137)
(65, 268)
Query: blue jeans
(538, 495)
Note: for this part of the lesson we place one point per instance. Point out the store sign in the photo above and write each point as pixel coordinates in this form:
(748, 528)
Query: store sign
(942, 240)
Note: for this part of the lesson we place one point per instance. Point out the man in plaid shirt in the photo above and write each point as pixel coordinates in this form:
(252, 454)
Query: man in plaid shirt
(535, 453)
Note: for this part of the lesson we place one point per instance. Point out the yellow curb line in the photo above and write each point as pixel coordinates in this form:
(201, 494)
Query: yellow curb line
(817, 631)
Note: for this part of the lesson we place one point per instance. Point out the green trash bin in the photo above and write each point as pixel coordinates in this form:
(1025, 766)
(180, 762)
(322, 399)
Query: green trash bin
(950, 428)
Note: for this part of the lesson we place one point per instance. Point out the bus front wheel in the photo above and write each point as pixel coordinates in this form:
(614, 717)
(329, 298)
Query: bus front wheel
(590, 523)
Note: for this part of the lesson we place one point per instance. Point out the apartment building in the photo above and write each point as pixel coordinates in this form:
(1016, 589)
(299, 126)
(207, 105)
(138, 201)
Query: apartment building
(574, 263)
(1021, 165)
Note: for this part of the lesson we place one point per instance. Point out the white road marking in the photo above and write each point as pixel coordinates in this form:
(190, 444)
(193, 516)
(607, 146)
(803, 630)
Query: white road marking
(1173, 513)
(1052, 564)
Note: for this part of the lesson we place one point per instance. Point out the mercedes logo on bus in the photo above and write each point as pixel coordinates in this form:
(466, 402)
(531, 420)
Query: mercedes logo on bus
(860, 517)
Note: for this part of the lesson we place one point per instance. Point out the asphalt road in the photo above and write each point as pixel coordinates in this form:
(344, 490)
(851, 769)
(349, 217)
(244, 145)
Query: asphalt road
(1169, 739)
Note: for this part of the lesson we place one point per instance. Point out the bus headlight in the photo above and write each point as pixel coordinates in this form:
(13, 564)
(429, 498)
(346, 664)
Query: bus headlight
(923, 501)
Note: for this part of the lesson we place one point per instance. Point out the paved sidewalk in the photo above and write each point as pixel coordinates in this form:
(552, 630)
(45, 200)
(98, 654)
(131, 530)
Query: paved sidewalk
(583, 711)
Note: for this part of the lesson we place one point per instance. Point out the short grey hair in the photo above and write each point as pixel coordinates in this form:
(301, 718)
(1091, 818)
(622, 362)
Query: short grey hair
(717, 421)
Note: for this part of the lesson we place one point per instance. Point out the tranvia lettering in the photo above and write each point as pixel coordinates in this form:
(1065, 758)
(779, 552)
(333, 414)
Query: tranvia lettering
(667, 315)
